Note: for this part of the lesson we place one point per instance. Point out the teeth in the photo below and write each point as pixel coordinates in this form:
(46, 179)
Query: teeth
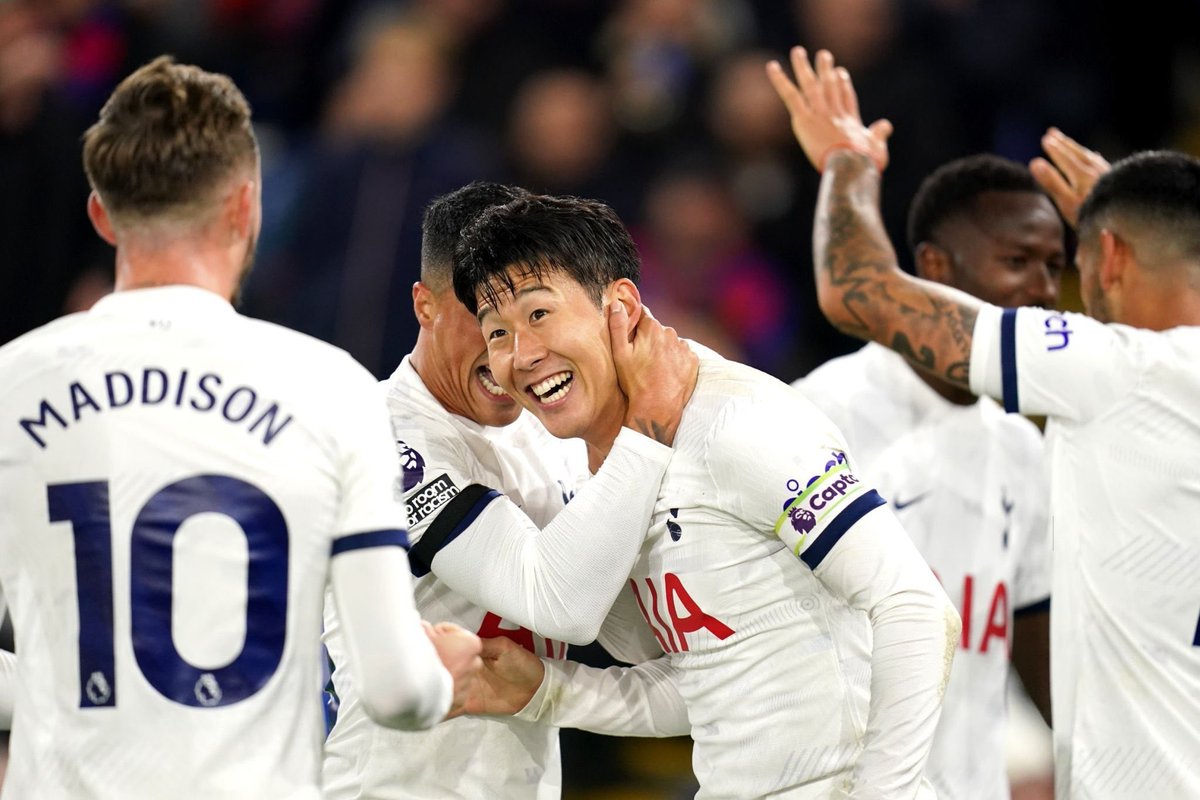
(485, 378)
(553, 388)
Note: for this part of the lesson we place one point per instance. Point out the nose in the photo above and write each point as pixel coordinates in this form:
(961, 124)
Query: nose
(528, 350)
(1044, 286)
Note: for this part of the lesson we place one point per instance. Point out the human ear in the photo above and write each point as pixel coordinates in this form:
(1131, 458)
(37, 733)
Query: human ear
(625, 292)
(98, 214)
(424, 304)
(1114, 252)
(933, 263)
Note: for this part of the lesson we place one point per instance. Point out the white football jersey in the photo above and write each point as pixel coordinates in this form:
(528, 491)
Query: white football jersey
(967, 483)
(441, 455)
(773, 665)
(174, 479)
(1122, 442)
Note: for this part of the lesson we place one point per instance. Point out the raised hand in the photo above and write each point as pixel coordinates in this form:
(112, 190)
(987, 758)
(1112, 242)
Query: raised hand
(459, 651)
(510, 677)
(656, 370)
(1072, 175)
(824, 110)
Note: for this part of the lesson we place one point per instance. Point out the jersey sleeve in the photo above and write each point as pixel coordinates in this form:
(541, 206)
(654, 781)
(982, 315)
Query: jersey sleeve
(616, 701)
(368, 514)
(1038, 361)
(794, 479)
(559, 581)
(803, 488)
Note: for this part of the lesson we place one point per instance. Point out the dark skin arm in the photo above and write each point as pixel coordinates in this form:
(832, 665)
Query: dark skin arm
(860, 286)
(1031, 657)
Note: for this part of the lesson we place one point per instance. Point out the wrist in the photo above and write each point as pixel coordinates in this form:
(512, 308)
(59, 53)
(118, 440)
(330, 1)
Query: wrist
(852, 147)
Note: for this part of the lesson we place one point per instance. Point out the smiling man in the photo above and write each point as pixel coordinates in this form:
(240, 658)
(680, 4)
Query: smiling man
(480, 478)
(810, 647)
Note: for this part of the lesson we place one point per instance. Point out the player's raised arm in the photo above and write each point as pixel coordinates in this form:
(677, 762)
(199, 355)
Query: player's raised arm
(860, 287)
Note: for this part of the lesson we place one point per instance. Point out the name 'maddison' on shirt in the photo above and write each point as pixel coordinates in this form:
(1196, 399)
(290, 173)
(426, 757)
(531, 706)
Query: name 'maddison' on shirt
(152, 386)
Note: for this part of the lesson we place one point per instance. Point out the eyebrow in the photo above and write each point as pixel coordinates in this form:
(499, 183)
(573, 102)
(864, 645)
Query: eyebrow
(490, 309)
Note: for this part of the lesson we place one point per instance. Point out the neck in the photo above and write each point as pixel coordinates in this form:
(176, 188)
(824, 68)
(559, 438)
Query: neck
(425, 362)
(600, 439)
(180, 262)
(1170, 306)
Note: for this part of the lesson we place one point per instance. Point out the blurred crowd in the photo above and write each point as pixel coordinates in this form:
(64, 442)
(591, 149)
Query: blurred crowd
(367, 110)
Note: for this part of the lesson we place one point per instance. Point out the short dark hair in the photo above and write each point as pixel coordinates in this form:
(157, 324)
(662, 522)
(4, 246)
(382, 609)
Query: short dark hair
(1156, 187)
(953, 188)
(582, 238)
(444, 220)
(169, 135)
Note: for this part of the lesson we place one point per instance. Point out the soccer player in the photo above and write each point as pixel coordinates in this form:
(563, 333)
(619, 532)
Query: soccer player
(1120, 389)
(480, 477)
(808, 640)
(177, 483)
(965, 478)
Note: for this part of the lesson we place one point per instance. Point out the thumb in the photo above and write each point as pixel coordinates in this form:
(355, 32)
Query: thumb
(881, 129)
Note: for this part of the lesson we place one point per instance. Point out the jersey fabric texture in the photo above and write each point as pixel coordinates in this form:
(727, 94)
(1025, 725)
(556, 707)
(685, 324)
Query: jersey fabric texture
(1122, 440)
(773, 665)
(469, 757)
(967, 483)
(174, 478)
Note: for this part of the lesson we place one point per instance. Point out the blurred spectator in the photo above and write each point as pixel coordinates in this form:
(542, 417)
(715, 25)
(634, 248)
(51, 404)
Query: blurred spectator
(562, 140)
(351, 251)
(703, 275)
(46, 241)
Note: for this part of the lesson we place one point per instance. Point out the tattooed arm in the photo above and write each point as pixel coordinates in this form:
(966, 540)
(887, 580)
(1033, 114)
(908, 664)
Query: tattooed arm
(860, 287)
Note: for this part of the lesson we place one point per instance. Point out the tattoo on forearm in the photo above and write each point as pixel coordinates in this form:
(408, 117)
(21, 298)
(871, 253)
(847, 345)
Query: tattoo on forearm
(929, 324)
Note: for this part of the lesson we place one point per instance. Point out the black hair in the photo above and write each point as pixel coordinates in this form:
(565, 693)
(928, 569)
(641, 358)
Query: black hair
(952, 189)
(1156, 187)
(540, 234)
(444, 220)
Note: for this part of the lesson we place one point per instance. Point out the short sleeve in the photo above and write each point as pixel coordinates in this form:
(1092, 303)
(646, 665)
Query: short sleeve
(368, 513)
(1039, 361)
(802, 488)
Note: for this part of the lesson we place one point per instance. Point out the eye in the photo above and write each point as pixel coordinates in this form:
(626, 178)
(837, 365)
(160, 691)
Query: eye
(1016, 262)
(496, 334)
(1056, 266)
(537, 314)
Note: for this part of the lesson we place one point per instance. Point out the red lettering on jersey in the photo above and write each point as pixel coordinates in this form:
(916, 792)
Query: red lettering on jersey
(997, 618)
(642, 607)
(658, 616)
(491, 629)
(696, 618)
(965, 611)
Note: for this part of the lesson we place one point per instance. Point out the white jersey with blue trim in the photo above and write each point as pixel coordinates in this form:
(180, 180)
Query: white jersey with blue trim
(967, 483)
(445, 458)
(1122, 441)
(774, 663)
(174, 479)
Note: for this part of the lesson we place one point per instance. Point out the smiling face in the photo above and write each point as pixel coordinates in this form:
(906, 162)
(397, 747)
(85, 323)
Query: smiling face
(1009, 251)
(458, 373)
(548, 346)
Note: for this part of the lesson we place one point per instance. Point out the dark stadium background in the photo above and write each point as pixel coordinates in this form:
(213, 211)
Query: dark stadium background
(367, 110)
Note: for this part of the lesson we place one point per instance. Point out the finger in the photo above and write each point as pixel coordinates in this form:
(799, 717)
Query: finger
(846, 88)
(831, 88)
(881, 131)
(788, 92)
(807, 80)
(1068, 155)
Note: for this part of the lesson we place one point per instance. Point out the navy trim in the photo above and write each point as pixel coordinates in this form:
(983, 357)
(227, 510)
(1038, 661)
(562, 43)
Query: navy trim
(1033, 608)
(842, 523)
(357, 541)
(1008, 360)
(454, 518)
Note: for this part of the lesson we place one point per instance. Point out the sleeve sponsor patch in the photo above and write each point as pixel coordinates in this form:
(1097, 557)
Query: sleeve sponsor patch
(412, 465)
(817, 502)
(429, 498)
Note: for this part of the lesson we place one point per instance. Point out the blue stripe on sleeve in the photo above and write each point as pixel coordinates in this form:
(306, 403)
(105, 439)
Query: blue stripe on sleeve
(816, 553)
(1008, 360)
(357, 541)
